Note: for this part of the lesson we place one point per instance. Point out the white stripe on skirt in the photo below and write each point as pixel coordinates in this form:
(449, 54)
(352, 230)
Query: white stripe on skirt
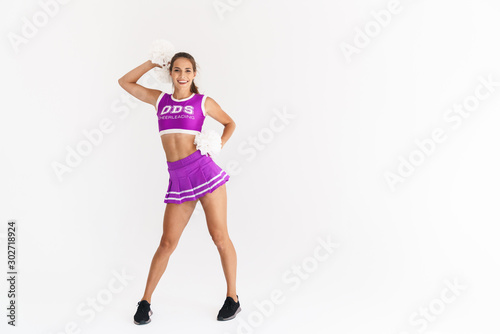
(201, 185)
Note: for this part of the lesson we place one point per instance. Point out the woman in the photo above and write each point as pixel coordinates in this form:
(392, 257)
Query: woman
(193, 176)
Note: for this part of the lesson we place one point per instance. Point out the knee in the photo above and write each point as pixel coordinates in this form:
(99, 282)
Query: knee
(167, 245)
(221, 240)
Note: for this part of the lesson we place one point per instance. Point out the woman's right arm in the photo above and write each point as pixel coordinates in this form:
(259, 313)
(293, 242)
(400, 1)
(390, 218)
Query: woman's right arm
(129, 83)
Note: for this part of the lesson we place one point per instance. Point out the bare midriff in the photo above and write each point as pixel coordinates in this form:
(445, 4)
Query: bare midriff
(178, 145)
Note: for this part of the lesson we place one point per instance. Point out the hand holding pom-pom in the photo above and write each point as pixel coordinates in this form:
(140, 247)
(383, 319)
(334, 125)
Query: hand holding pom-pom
(160, 53)
(208, 142)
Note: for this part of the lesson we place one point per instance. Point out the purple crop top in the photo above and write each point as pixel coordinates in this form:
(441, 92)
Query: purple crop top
(180, 116)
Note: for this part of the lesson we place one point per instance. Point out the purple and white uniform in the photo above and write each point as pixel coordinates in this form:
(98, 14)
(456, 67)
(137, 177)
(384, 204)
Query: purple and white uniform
(195, 175)
(180, 116)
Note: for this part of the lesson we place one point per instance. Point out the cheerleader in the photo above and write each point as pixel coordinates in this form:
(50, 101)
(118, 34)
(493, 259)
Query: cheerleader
(194, 176)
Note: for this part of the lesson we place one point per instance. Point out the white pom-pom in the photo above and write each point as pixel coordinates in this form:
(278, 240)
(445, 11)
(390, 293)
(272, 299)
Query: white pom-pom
(160, 53)
(208, 142)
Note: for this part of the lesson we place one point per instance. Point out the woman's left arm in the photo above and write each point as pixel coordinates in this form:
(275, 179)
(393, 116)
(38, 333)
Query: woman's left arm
(216, 112)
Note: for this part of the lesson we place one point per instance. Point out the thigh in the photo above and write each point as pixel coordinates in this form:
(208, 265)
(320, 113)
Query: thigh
(215, 206)
(176, 218)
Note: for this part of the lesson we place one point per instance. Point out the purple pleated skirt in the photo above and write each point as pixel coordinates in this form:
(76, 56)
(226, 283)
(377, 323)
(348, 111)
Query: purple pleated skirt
(193, 177)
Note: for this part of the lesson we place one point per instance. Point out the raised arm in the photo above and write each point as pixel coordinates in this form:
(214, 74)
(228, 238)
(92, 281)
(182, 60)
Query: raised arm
(129, 83)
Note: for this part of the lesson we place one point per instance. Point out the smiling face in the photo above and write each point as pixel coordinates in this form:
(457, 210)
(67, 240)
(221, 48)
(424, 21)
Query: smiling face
(182, 73)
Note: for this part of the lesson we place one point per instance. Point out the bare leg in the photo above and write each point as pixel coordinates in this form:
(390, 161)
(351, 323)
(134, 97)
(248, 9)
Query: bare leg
(174, 221)
(215, 207)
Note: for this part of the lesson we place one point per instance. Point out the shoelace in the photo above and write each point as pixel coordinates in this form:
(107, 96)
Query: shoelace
(142, 307)
(227, 304)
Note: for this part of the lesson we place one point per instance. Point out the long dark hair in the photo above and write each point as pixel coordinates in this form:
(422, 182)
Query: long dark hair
(194, 88)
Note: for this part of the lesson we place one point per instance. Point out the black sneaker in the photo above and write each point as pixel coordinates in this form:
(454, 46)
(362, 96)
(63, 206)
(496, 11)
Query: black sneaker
(230, 309)
(142, 316)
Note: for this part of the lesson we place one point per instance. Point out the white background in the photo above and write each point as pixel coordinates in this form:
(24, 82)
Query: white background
(321, 174)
